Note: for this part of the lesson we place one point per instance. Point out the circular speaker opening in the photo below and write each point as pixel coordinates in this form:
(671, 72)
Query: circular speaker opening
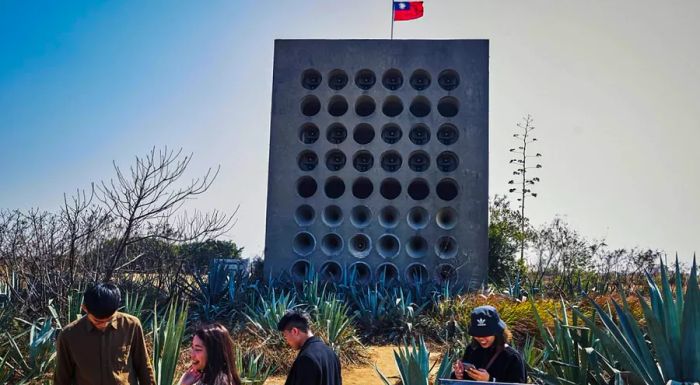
(360, 273)
(420, 106)
(392, 79)
(337, 79)
(365, 79)
(417, 274)
(308, 134)
(336, 133)
(389, 217)
(388, 274)
(304, 243)
(390, 188)
(447, 134)
(446, 218)
(392, 106)
(419, 134)
(335, 160)
(337, 106)
(300, 270)
(445, 273)
(391, 133)
(310, 105)
(334, 187)
(363, 134)
(304, 215)
(331, 272)
(360, 245)
(310, 79)
(447, 189)
(418, 218)
(388, 246)
(447, 161)
(332, 244)
(417, 247)
(448, 106)
(362, 188)
(446, 247)
(332, 216)
(419, 161)
(363, 161)
(365, 106)
(420, 80)
(307, 160)
(448, 80)
(360, 216)
(391, 161)
(306, 186)
(418, 189)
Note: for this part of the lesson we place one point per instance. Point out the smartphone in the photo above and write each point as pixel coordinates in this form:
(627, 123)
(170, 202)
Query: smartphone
(468, 365)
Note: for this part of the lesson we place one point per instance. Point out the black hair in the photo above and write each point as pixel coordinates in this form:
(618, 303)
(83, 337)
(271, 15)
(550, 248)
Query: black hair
(221, 362)
(294, 319)
(502, 338)
(102, 299)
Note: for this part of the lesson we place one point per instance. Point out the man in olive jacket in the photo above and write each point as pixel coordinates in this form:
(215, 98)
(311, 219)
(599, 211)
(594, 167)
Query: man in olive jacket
(316, 363)
(105, 347)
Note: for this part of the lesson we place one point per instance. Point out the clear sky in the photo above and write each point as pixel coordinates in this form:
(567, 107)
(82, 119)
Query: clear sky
(613, 87)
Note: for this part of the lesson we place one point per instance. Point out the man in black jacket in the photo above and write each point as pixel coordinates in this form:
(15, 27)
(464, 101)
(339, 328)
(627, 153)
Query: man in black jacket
(316, 363)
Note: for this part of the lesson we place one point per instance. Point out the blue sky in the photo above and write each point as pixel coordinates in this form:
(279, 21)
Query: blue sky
(613, 88)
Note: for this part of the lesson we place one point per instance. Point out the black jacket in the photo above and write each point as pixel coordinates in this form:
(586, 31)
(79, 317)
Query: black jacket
(316, 364)
(508, 366)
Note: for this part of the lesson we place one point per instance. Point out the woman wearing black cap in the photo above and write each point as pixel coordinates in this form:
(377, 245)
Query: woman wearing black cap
(488, 357)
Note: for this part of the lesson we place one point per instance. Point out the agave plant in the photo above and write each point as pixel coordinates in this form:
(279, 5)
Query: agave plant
(40, 353)
(445, 368)
(335, 326)
(265, 316)
(213, 296)
(167, 336)
(672, 351)
(391, 312)
(252, 368)
(333, 318)
(571, 355)
(133, 304)
(532, 355)
(413, 362)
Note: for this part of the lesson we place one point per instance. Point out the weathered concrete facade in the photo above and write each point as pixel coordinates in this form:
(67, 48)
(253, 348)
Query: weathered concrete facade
(379, 160)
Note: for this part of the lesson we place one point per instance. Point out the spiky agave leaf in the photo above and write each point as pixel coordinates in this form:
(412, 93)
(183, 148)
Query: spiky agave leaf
(167, 337)
(673, 332)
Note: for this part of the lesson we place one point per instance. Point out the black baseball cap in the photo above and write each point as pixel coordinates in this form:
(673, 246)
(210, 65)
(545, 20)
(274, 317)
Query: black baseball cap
(486, 322)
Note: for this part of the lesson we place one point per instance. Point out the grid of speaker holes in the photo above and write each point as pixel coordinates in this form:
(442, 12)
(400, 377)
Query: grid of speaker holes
(388, 245)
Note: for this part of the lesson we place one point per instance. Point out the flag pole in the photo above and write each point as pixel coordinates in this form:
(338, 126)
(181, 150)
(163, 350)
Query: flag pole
(392, 19)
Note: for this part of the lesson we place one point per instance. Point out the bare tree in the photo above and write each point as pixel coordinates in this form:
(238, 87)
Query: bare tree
(525, 184)
(145, 202)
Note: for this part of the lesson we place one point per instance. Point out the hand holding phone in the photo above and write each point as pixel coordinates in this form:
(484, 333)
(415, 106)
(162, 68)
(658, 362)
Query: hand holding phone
(468, 365)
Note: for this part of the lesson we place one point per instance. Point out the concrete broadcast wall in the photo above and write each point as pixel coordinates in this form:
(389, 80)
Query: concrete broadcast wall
(379, 160)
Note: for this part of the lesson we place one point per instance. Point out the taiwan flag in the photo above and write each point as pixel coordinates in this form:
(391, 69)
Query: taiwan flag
(408, 10)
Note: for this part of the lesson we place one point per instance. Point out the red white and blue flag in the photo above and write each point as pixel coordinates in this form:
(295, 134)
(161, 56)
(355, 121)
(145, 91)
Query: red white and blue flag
(407, 10)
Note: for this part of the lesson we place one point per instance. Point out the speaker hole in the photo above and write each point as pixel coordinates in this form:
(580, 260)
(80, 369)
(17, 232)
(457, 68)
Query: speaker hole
(334, 187)
(447, 189)
(310, 105)
(304, 243)
(332, 216)
(306, 186)
(390, 188)
(417, 218)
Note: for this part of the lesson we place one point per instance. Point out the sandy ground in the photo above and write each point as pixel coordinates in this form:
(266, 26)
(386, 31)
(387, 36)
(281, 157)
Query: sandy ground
(382, 356)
